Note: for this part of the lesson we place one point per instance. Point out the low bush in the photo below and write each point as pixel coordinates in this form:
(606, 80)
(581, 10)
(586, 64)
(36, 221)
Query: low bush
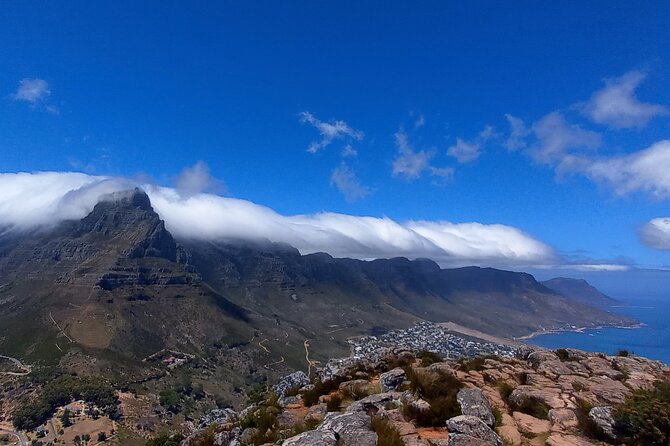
(311, 397)
(334, 403)
(623, 353)
(533, 406)
(439, 388)
(387, 434)
(476, 363)
(644, 417)
(165, 440)
(427, 358)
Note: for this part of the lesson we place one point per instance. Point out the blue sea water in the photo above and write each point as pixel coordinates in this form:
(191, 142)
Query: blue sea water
(651, 340)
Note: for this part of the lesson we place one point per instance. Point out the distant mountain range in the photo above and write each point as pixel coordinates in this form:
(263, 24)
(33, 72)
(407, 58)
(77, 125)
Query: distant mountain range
(581, 291)
(117, 287)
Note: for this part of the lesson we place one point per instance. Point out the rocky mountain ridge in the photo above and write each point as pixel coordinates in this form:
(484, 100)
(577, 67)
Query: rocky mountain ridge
(539, 397)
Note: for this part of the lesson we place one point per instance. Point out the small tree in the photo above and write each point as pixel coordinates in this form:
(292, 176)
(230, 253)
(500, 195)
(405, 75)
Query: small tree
(65, 419)
(102, 436)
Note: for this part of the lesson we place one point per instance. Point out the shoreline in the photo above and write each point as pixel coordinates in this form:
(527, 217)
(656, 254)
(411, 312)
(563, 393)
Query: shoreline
(577, 330)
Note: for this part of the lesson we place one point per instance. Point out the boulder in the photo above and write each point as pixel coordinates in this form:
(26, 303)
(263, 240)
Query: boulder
(392, 379)
(602, 416)
(376, 403)
(530, 424)
(218, 416)
(295, 380)
(312, 438)
(473, 402)
(350, 428)
(467, 425)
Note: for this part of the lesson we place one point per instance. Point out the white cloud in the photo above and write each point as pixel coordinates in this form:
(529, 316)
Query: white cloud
(518, 133)
(556, 139)
(31, 200)
(463, 151)
(329, 131)
(617, 106)
(32, 90)
(349, 151)
(645, 171)
(345, 180)
(409, 163)
(468, 151)
(656, 233)
(196, 179)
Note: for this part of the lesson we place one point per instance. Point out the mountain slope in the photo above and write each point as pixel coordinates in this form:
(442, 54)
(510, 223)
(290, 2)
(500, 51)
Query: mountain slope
(116, 286)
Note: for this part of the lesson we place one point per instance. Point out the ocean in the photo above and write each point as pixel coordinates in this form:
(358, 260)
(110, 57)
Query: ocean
(651, 340)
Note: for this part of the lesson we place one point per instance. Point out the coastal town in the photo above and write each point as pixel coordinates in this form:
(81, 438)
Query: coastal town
(430, 337)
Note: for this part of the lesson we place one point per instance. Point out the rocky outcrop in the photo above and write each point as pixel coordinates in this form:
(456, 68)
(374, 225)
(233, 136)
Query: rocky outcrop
(295, 380)
(604, 419)
(391, 380)
(473, 402)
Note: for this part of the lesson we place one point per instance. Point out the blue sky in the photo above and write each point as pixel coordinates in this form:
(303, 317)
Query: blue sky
(247, 88)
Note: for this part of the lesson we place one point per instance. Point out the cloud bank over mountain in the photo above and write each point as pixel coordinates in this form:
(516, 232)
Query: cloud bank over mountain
(36, 200)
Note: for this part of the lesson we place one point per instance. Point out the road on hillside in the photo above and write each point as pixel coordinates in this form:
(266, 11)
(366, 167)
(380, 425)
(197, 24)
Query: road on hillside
(19, 435)
(18, 364)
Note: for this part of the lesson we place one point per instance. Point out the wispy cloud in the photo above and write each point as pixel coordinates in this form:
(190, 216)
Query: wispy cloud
(329, 131)
(656, 233)
(409, 163)
(617, 106)
(349, 151)
(47, 198)
(468, 151)
(518, 133)
(557, 139)
(346, 181)
(32, 91)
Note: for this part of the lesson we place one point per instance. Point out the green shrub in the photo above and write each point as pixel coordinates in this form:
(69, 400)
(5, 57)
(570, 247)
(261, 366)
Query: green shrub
(623, 353)
(585, 423)
(311, 397)
(644, 418)
(439, 388)
(562, 354)
(387, 434)
(505, 389)
(427, 358)
(533, 406)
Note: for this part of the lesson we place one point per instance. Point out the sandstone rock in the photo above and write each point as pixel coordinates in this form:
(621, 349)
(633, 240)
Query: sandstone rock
(392, 379)
(530, 424)
(474, 403)
(563, 419)
(558, 439)
(248, 434)
(357, 388)
(539, 356)
(316, 412)
(550, 396)
(473, 427)
(602, 416)
(312, 438)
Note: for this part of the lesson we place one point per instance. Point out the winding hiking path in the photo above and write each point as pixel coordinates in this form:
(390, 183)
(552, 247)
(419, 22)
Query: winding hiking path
(22, 439)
